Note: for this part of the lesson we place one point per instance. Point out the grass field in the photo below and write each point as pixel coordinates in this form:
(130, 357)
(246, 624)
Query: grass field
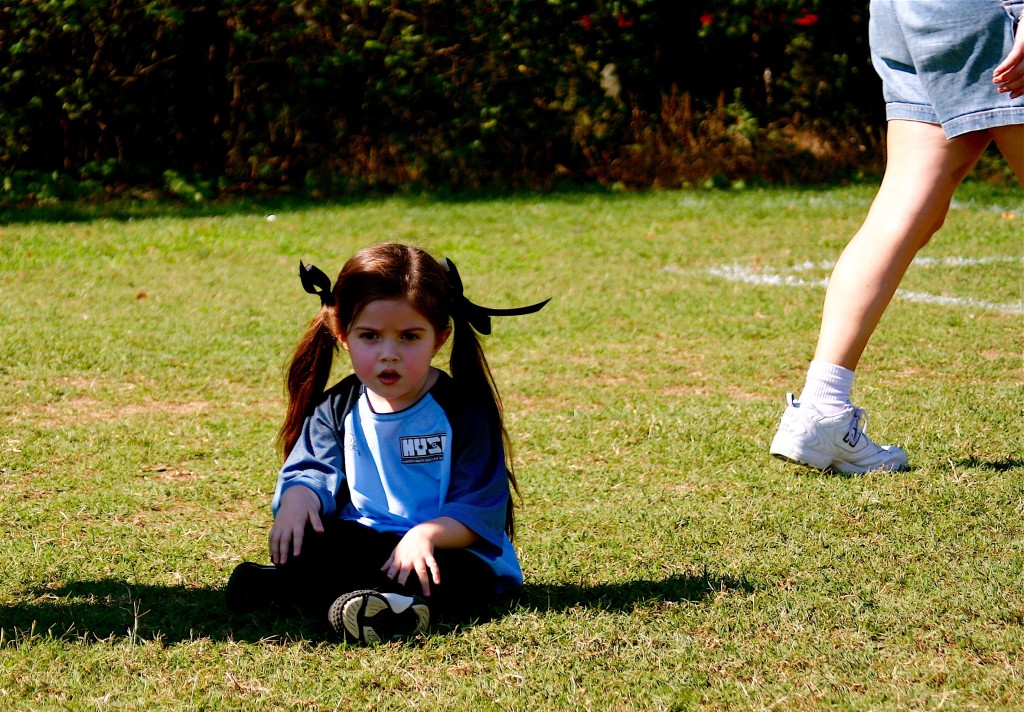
(671, 563)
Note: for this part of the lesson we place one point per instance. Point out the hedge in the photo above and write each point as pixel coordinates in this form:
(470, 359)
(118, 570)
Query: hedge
(319, 96)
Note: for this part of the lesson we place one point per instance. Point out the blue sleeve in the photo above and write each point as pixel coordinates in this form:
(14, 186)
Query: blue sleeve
(478, 491)
(316, 461)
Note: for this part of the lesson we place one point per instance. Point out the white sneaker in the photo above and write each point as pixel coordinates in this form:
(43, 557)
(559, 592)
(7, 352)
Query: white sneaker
(839, 442)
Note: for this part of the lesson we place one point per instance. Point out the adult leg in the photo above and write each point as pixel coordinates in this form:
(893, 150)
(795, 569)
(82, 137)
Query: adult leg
(824, 429)
(923, 170)
(1010, 141)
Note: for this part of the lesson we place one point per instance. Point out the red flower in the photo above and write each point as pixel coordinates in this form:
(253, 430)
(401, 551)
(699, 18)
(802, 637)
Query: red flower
(624, 21)
(585, 21)
(807, 19)
(706, 18)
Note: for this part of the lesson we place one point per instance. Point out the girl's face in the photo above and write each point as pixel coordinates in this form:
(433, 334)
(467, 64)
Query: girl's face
(391, 346)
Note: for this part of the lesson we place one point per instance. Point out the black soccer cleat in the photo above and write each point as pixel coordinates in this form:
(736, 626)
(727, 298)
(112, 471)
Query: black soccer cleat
(252, 586)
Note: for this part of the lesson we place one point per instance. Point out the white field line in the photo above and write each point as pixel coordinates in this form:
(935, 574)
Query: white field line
(789, 277)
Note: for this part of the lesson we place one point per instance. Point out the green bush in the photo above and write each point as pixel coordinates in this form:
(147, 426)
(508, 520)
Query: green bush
(321, 96)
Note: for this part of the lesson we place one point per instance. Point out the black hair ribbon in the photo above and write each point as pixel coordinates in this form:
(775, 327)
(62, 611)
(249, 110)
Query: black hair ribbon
(479, 317)
(314, 278)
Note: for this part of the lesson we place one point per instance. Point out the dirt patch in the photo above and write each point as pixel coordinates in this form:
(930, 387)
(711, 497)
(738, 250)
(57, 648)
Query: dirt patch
(84, 408)
(702, 391)
(89, 409)
(168, 473)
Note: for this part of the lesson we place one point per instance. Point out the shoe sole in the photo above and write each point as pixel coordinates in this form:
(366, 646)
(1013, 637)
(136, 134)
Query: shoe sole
(353, 615)
(850, 469)
(833, 466)
(812, 459)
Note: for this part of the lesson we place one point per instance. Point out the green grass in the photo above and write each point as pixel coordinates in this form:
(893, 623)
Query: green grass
(671, 563)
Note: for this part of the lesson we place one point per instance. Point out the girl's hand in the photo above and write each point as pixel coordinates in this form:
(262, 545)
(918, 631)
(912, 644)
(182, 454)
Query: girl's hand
(299, 506)
(415, 552)
(1009, 75)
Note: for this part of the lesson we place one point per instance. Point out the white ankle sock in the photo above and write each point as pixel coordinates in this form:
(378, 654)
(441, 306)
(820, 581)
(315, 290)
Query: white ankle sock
(827, 388)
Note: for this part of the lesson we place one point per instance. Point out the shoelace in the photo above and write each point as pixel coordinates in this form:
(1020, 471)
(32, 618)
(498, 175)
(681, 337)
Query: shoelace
(859, 422)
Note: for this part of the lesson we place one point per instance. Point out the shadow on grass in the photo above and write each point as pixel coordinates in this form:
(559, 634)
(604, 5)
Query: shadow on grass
(161, 205)
(627, 595)
(1004, 465)
(115, 609)
(127, 208)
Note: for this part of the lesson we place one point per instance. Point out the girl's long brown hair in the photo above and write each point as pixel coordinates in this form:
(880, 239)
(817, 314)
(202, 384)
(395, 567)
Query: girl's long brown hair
(389, 271)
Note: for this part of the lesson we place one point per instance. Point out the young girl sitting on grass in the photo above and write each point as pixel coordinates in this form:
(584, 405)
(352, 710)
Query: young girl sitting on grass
(393, 506)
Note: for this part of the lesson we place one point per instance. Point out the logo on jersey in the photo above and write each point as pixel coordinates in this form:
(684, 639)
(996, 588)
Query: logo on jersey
(423, 448)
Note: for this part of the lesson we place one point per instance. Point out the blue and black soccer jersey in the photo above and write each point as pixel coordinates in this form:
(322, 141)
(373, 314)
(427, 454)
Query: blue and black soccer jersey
(392, 471)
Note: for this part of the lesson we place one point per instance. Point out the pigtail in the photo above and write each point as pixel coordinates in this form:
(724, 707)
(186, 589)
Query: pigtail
(469, 369)
(307, 377)
(469, 366)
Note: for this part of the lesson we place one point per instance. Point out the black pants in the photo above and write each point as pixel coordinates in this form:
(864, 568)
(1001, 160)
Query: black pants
(348, 556)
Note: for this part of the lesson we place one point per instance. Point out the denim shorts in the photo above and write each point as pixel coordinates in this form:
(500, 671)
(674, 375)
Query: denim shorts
(936, 57)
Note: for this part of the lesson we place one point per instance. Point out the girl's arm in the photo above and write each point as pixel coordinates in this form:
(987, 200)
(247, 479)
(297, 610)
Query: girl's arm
(415, 552)
(308, 483)
(298, 506)
(316, 461)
